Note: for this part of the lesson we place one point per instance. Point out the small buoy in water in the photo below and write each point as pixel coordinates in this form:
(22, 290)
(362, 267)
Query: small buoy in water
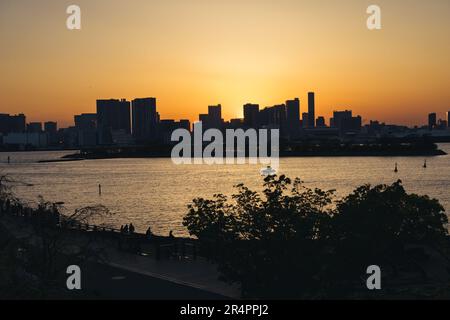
(396, 168)
(269, 171)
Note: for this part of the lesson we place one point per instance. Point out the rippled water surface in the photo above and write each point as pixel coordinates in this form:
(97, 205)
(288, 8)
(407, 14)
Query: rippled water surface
(156, 192)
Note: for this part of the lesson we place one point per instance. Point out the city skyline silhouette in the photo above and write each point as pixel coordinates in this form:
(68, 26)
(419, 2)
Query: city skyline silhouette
(234, 53)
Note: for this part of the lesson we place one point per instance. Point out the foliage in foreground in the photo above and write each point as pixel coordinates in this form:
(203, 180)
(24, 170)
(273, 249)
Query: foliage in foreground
(34, 265)
(292, 241)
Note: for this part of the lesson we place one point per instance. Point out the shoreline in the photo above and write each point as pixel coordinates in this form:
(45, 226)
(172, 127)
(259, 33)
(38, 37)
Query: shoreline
(180, 266)
(287, 151)
(79, 157)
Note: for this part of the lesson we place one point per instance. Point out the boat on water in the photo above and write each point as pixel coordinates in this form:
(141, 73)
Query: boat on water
(268, 171)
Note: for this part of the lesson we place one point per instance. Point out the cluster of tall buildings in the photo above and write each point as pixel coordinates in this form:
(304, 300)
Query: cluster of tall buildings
(287, 117)
(12, 123)
(119, 122)
(14, 130)
(123, 122)
(143, 126)
(116, 122)
(434, 123)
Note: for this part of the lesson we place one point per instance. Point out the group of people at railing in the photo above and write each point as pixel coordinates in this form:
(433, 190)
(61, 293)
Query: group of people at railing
(128, 238)
(127, 229)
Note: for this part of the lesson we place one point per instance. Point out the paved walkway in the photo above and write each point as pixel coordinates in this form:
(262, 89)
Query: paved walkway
(198, 275)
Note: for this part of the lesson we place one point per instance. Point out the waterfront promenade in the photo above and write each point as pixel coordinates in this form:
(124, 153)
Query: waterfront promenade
(147, 273)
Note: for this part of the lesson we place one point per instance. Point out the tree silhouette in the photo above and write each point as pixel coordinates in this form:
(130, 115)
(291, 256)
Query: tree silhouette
(291, 241)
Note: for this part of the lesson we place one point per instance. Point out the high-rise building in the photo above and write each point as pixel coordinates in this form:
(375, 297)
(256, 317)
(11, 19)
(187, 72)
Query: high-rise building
(351, 125)
(185, 124)
(16, 124)
(204, 119)
(50, 127)
(345, 122)
(448, 119)
(168, 126)
(338, 116)
(112, 115)
(85, 121)
(273, 117)
(212, 120)
(215, 116)
(34, 127)
(251, 115)
(305, 119)
(432, 120)
(311, 110)
(293, 117)
(86, 129)
(145, 119)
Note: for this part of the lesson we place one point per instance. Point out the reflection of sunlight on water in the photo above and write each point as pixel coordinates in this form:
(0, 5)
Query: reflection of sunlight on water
(155, 192)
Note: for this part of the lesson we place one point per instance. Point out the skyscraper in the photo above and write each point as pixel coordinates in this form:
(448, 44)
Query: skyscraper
(112, 115)
(311, 110)
(168, 126)
(273, 117)
(293, 117)
(305, 119)
(448, 119)
(432, 120)
(293, 111)
(145, 119)
(251, 115)
(215, 116)
(346, 122)
(10, 123)
(86, 128)
(51, 128)
(339, 116)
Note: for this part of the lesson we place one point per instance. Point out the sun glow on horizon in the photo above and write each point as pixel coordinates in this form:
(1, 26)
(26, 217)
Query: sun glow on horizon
(191, 54)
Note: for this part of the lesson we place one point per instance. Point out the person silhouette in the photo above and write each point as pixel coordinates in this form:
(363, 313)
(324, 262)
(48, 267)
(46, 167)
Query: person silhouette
(131, 228)
(125, 229)
(171, 236)
(149, 233)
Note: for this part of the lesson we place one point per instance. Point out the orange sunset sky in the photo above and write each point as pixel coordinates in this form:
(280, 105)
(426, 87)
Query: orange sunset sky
(192, 53)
